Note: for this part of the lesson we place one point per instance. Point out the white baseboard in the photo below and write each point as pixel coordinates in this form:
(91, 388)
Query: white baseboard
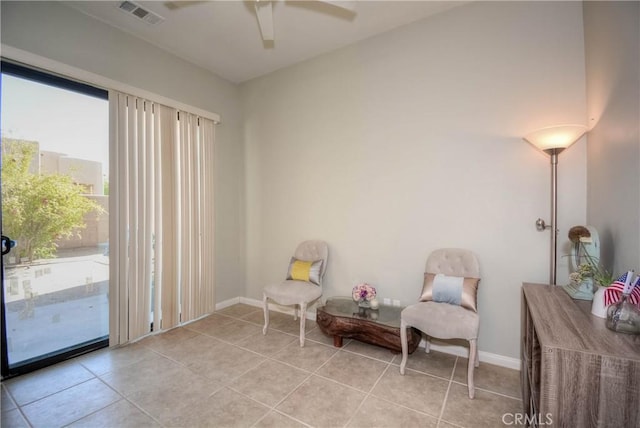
(484, 356)
(227, 303)
(460, 351)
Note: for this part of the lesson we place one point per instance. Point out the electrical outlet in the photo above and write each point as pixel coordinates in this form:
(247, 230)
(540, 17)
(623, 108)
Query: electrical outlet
(386, 301)
(396, 302)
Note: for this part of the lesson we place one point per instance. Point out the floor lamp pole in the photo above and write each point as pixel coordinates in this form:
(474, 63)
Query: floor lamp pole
(554, 215)
(553, 140)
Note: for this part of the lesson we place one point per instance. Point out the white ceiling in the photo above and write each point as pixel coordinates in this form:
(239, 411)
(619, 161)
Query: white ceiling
(224, 37)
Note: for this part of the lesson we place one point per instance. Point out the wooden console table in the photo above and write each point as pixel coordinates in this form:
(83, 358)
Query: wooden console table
(575, 371)
(341, 317)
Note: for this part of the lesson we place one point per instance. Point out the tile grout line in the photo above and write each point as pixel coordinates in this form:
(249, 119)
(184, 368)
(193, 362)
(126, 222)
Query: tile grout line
(310, 374)
(143, 411)
(273, 408)
(272, 358)
(283, 414)
(267, 358)
(53, 393)
(294, 389)
(488, 391)
(260, 310)
(386, 400)
(368, 394)
(66, 389)
(446, 379)
(242, 318)
(24, 417)
(264, 357)
(328, 359)
(368, 356)
(446, 394)
(122, 397)
(160, 355)
(18, 407)
(389, 364)
(315, 373)
(243, 338)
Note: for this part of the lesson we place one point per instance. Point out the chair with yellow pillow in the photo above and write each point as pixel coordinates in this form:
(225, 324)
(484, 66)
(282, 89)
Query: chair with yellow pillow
(448, 304)
(303, 284)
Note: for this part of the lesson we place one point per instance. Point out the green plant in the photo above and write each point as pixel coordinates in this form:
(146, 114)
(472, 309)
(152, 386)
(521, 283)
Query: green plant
(590, 267)
(38, 209)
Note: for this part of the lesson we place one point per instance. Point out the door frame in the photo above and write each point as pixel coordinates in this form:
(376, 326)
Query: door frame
(25, 72)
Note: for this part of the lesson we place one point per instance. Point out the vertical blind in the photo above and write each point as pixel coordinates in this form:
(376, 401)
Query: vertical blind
(162, 236)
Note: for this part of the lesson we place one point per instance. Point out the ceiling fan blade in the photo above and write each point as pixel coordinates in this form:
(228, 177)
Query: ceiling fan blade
(346, 5)
(264, 12)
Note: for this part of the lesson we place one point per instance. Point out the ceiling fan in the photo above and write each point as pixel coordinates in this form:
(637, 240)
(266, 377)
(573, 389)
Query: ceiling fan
(264, 11)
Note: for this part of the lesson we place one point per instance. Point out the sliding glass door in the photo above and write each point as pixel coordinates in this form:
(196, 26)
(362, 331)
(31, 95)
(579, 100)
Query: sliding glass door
(55, 224)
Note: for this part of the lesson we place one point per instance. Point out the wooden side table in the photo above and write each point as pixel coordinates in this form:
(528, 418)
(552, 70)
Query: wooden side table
(341, 317)
(575, 371)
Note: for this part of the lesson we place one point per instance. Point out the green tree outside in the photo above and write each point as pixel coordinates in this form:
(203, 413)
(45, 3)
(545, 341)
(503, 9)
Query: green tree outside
(38, 209)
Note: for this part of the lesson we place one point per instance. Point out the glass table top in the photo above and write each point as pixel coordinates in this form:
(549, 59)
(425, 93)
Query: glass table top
(346, 307)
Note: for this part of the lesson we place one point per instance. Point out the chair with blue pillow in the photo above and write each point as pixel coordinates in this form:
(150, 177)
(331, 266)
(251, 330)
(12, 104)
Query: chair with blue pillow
(448, 305)
(303, 284)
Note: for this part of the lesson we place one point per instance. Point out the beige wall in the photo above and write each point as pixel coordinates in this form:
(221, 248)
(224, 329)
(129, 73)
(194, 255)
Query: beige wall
(55, 31)
(387, 149)
(612, 42)
(411, 141)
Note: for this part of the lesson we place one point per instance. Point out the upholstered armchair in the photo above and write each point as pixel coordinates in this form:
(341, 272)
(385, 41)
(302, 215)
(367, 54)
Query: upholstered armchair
(303, 284)
(447, 307)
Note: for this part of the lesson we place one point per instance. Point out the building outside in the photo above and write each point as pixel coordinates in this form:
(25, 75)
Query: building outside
(90, 176)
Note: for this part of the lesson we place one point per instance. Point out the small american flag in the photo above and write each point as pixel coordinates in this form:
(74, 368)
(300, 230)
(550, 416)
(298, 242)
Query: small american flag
(614, 292)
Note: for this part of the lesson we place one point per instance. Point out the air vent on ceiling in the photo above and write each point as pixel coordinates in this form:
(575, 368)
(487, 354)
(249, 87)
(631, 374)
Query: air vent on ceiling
(140, 12)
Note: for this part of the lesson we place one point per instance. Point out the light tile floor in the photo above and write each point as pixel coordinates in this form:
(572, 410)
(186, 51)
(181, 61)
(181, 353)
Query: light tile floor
(222, 372)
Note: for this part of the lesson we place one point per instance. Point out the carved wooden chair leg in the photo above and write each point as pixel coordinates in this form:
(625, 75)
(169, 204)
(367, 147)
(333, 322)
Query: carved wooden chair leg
(303, 320)
(405, 346)
(473, 350)
(265, 306)
(477, 355)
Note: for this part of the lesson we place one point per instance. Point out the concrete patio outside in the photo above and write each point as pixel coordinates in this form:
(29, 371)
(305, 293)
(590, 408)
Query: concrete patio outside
(52, 304)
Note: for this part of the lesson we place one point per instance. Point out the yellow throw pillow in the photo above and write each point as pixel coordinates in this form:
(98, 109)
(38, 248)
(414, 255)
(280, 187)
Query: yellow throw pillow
(303, 270)
(453, 290)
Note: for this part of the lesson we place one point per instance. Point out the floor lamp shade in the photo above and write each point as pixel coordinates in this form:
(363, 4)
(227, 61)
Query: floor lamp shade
(553, 140)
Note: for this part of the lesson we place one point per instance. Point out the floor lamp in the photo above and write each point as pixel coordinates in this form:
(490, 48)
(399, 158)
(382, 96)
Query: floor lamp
(553, 140)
